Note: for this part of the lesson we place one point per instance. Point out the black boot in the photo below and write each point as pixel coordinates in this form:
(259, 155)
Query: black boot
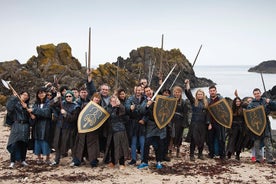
(238, 156)
(177, 152)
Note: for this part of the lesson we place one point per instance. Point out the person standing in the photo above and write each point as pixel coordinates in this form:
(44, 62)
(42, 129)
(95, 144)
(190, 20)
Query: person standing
(117, 142)
(154, 136)
(136, 123)
(20, 128)
(42, 126)
(199, 122)
(266, 135)
(236, 133)
(87, 144)
(66, 128)
(179, 120)
(216, 132)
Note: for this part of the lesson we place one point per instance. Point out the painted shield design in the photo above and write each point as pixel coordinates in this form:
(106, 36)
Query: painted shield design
(222, 113)
(163, 110)
(255, 119)
(91, 117)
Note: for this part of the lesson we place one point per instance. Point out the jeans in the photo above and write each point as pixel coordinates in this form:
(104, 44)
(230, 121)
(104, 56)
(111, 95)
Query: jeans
(133, 146)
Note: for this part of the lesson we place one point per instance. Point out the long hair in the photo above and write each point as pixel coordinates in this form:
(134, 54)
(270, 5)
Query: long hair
(205, 102)
(38, 100)
(237, 110)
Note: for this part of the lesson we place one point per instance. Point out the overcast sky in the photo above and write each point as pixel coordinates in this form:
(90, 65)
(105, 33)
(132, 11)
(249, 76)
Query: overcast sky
(237, 32)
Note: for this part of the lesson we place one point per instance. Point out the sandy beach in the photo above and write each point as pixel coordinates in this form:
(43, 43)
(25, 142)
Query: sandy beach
(179, 170)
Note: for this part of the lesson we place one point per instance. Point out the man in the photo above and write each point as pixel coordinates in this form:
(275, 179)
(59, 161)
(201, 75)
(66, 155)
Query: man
(103, 130)
(266, 136)
(137, 126)
(154, 135)
(216, 132)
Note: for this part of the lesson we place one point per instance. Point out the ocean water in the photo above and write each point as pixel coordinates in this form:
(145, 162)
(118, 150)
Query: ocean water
(229, 78)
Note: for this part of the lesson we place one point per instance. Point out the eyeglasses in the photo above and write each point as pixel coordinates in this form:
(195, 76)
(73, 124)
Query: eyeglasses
(68, 96)
(49, 95)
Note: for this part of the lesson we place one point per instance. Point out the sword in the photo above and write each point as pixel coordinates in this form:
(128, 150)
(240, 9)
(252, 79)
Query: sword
(156, 93)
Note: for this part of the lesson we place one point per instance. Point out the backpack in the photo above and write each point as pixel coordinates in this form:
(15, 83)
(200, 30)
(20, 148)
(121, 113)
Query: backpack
(8, 119)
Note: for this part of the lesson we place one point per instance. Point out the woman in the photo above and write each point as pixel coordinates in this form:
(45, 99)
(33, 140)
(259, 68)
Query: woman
(199, 122)
(66, 128)
(42, 126)
(117, 142)
(236, 133)
(87, 144)
(179, 120)
(20, 128)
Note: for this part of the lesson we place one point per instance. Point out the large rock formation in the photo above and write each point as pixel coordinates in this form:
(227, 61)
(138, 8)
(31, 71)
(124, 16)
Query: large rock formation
(58, 61)
(264, 67)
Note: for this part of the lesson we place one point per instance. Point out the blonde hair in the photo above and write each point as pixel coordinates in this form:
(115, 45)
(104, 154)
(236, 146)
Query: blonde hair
(179, 89)
(205, 102)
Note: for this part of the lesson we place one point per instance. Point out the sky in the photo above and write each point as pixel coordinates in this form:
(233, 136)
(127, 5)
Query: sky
(237, 32)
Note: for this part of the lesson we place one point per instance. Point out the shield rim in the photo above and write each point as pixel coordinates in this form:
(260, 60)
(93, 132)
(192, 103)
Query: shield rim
(99, 124)
(247, 122)
(154, 111)
(229, 109)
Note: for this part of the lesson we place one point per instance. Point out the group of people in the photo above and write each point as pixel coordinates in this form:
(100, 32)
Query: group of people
(130, 128)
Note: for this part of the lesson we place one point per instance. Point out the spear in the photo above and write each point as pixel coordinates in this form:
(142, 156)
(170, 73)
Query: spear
(156, 93)
(175, 80)
(89, 48)
(86, 60)
(161, 56)
(196, 56)
(263, 81)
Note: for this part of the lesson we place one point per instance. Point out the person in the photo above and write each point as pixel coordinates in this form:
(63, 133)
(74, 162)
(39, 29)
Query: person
(66, 128)
(76, 93)
(42, 126)
(154, 135)
(20, 128)
(236, 133)
(199, 121)
(216, 132)
(87, 144)
(117, 142)
(136, 123)
(249, 142)
(103, 130)
(266, 135)
(179, 120)
(167, 92)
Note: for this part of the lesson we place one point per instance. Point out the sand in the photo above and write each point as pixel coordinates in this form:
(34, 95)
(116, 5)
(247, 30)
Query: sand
(179, 170)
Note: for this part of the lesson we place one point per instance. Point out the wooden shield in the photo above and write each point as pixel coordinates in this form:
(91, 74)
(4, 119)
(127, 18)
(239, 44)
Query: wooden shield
(91, 117)
(222, 113)
(163, 110)
(255, 119)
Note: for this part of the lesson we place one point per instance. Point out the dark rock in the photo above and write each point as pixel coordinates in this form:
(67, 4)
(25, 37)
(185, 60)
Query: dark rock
(265, 67)
(58, 61)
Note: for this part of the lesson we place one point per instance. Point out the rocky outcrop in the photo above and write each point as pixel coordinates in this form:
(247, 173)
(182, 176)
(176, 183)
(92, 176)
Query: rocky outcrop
(58, 61)
(265, 67)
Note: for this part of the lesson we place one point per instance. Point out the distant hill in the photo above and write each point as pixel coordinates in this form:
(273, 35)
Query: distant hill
(265, 67)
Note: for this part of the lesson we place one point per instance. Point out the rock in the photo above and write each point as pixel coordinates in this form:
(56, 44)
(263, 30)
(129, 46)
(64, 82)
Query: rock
(58, 61)
(265, 67)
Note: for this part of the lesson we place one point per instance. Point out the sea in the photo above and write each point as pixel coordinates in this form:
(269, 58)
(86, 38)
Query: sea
(230, 78)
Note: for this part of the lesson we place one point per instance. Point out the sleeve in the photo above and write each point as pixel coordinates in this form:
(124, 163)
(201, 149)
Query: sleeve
(189, 95)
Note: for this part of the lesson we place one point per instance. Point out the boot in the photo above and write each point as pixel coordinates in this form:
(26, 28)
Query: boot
(192, 157)
(238, 156)
(200, 156)
(177, 152)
